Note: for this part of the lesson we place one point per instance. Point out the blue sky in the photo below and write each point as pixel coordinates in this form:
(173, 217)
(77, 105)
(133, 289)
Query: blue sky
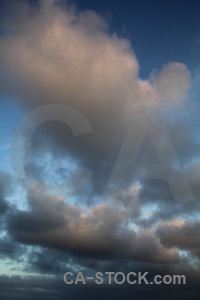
(10, 115)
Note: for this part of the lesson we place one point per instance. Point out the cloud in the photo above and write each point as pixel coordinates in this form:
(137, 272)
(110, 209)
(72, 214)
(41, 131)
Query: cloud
(10, 249)
(63, 56)
(102, 230)
(172, 83)
(181, 234)
(54, 288)
(58, 55)
(5, 187)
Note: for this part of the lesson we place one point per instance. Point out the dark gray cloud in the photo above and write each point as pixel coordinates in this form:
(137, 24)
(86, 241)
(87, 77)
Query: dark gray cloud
(102, 230)
(5, 186)
(54, 288)
(181, 234)
(10, 249)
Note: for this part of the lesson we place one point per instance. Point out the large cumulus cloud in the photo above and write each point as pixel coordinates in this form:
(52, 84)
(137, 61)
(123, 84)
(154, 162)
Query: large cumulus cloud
(69, 57)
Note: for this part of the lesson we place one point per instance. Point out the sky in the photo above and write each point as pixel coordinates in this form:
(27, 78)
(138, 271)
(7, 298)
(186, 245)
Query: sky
(99, 146)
